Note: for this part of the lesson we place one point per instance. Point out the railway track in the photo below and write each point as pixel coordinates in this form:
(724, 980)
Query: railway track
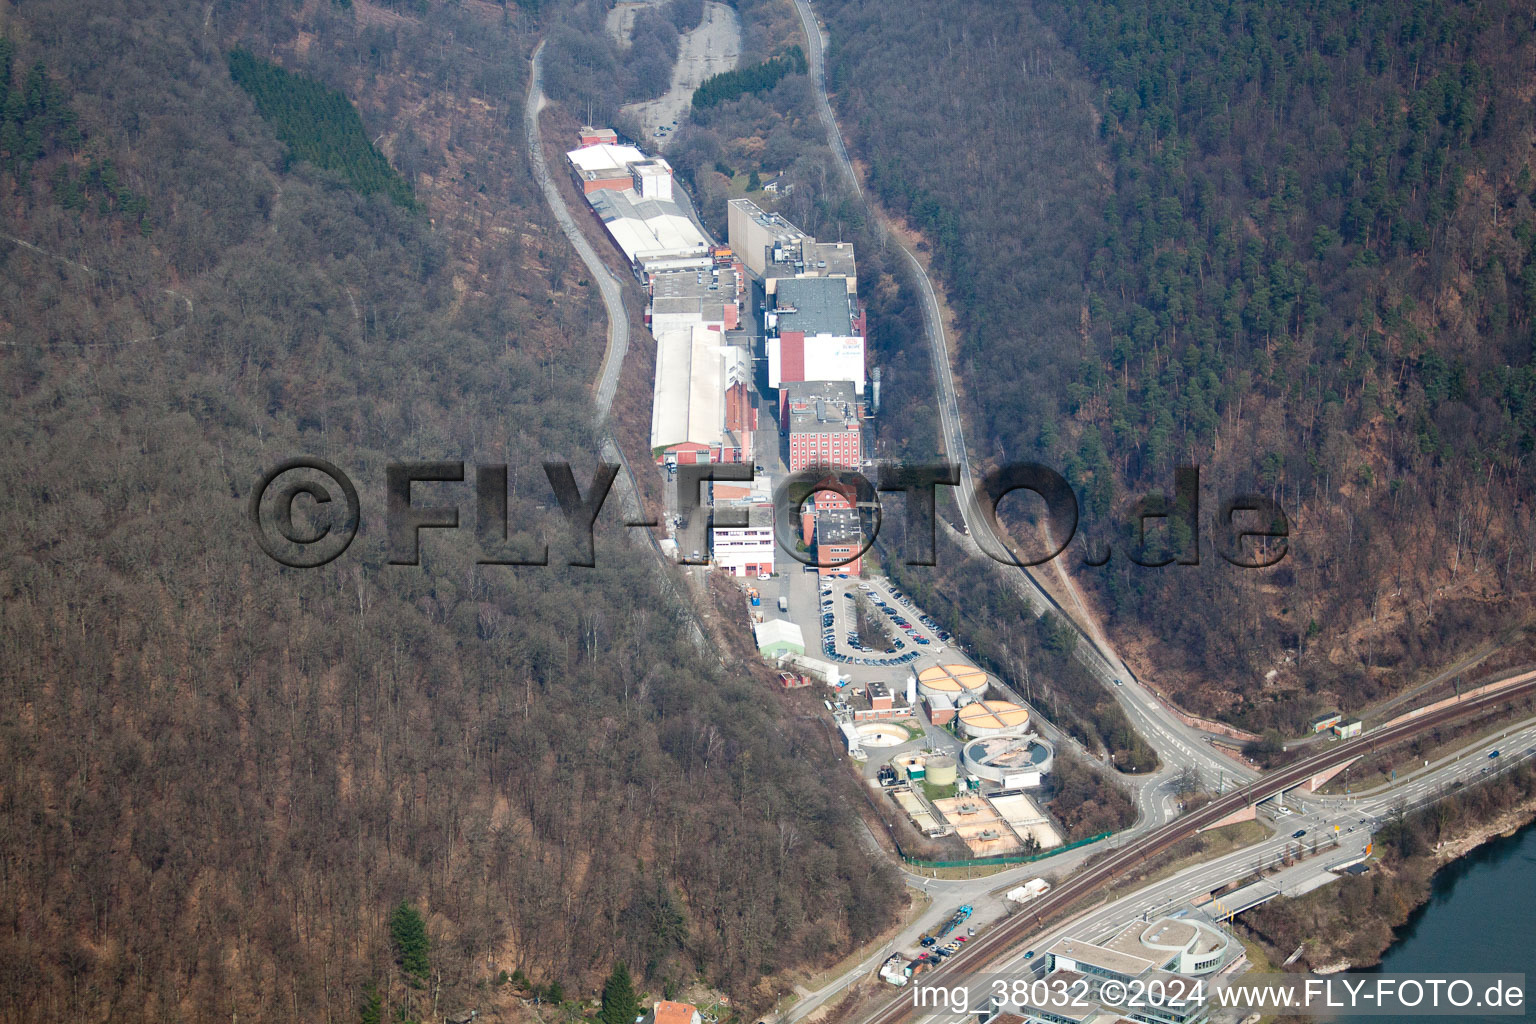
(1004, 939)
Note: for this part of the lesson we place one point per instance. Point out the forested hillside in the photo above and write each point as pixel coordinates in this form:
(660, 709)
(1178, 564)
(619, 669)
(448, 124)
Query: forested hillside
(594, 73)
(236, 791)
(1291, 243)
(317, 124)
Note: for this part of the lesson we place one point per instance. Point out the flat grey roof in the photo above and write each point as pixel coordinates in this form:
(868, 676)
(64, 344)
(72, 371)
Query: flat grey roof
(817, 405)
(814, 405)
(820, 303)
(774, 222)
(1157, 941)
(1098, 956)
(692, 283)
(707, 309)
(838, 526)
(837, 255)
(758, 516)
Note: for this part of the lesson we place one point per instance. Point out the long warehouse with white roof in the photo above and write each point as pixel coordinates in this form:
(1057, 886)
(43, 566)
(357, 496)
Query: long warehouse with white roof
(701, 410)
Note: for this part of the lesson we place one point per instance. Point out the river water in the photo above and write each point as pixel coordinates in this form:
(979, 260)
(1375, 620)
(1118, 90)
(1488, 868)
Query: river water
(1480, 917)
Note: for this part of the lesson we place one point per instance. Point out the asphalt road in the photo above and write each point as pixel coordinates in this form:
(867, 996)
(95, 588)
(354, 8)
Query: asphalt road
(607, 283)
(1356, 815)
(1177, 744)
(1356, 818)
(1000, 946)
(607, 383)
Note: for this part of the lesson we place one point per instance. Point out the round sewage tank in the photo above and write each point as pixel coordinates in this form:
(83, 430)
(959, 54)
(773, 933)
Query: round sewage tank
(881, 734)
(952, 681)
(941, 770)
(993, 718)
(1010, 761)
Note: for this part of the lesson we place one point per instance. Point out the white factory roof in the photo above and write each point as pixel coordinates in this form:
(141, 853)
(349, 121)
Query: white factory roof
(646, 226)
(604, 156)
(694, 368)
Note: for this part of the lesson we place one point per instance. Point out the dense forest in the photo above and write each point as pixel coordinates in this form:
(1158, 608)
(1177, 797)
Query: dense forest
(736, 83)
(317, 124)
(1291, 244)
(237, 791)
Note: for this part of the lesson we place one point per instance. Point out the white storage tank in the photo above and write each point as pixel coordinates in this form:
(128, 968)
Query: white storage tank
(993, 718)
(953, 681)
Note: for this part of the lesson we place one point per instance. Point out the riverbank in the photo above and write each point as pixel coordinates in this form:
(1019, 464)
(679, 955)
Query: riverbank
(1352, 923)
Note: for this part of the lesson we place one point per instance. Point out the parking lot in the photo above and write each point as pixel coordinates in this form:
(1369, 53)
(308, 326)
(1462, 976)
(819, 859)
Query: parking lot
(911, 631)
(826, 612)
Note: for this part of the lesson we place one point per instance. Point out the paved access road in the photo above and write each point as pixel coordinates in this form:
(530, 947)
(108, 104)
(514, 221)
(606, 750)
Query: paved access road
(618, 334)
(1355, 817)
(607, 283)
(1177, 744)
(1001, 945)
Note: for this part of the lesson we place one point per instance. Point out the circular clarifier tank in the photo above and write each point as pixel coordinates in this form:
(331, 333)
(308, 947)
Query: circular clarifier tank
(882, 734)
(952, 681)
(993, 718)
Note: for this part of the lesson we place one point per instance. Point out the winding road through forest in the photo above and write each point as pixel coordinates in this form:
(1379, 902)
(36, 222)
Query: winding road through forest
(607, 284)
(607, 384)
(1177, 744)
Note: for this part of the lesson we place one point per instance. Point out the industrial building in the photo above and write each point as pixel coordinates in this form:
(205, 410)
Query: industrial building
(815, 331)
(712, 296)
(823, 421)
(1326, 721)
(745, 550)
(1169, 953)
(851, 740)
(754, 233)
(1184, 944)
(881, 704)
(591, 136)
(941, 709)
(776, 250)
(701, 409)
(654, 234)
(809, 258)
(1346, 730)
(839, 542)
(604, 165)
(777, 638)
(632, 194)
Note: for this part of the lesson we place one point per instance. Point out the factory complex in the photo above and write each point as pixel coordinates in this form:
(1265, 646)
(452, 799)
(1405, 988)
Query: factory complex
(970, 784)
(705, 406)
(771, 326)
(631, 194)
